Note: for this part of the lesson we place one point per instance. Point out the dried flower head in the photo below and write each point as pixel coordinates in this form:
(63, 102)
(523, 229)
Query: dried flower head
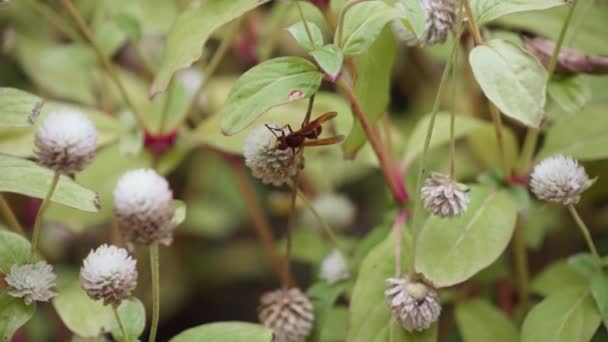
(414, 304)
(108, 273)
(559, 179)
(289, 313)
(440, 20)
(32, 282)
(143, 207)
(334, 267)
(444, 197)
(66, 141)
(337, 210)
(270, 164)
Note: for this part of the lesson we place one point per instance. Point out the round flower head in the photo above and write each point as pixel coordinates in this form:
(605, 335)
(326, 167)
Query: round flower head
(108, 273)
(289, 313)
(440, 19)
(444, 197)
(268, 163)
(143, 207)
(32, 282)
(66, 141)
(414, 304)
(337, 210)
(559, 179)
(334, 268)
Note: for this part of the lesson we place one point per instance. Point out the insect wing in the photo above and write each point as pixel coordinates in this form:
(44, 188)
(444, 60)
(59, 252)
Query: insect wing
(327, 141)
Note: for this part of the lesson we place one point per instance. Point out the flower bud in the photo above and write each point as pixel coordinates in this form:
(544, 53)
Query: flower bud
(559, 179)
(444, 197)
(413, 304)
(66, 141)
(289, 313)
(32, 282)
(334, 268)
(143, 207)
(108, 273)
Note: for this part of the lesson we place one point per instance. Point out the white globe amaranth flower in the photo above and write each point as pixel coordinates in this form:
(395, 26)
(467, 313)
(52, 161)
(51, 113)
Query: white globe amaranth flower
(289, 313)
(444, 197)
(109, 273)
(334, 268)
(413, 304)
(32, 282)
(143, 207)
(66, 141)
(440, 21)
(268, 163)
(337, 210)
(559, 179)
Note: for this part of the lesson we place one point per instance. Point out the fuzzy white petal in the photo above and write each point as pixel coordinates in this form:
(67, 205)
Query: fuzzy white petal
(334, 268)
(32, 282)
(559, 179)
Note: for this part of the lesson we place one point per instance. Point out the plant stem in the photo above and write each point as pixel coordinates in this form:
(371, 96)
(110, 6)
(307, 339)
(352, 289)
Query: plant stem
(498, 128)
(527, 151)
(326, 227)
(8, 214)
(105, 62)
(585, 231)
(155, 270)
(45, 203)
(340, 26)
(389, 169)
(521, 262)
(55, 19)
(290, 218)
(453, 119)
(472, 22)
(427, 143)
(260, 222)
(398, 236)
(165, 113)
(560, 39)
(305, 23)
(120, 324)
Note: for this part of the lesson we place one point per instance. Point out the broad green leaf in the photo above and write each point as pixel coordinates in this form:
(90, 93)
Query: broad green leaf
(336, 325)
(226, 332)
(330, 59)
(582, 136)
(512, 79)
(191, 30)
(14, 250)
(584, 264)
(370, 317)
(82, 315)
(323, 297)
(565, 316)
(27, 178)
(452, 251)
(488, 10)
(480, 321)
(415, 14)
(372, 89)
(18, 108)
(556, 277)
(179, 214)
(267, 85)
(133, 316)
(441, 132)
(571, 92)
(298, 32)
(363, 24)
(484, 145)
(599, 291)
(13, 314)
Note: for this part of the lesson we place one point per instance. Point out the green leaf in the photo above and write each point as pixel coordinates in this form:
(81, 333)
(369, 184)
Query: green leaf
(565, 316)
(27, 178)
(484, 144)
(570, 92)
(323, 297)
(488, 10)
(330, 59)
(480, 321)
(582, 136)
(189, 33)
(556, 277)
(464, 125)
(179, 214)
(298, 32)
(14, 250)
(267, 85)
(13, 314)
(512, 79)
(370, 317)
(18, 108)
(452, 251)
(599, 291)
(133, 315)
(372, 89)
(363, 23)
(584, 264)
(226, 332)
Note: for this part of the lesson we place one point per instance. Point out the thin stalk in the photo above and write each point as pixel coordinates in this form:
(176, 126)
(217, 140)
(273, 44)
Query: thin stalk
(527, 151)
(425, 150)
(498, 128)
(45, 203)
(585, 231)
(120, 324)
(260, 222)
(340, 26)
(521, 262)
(155, 270)
(165, 113)
(472, 22)
(10, 217)
(290, 218)
(453, 119)
(326, 227)
(105, 62)
(305, 23)
(560, 39)
(55, 19)
(398, 236)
